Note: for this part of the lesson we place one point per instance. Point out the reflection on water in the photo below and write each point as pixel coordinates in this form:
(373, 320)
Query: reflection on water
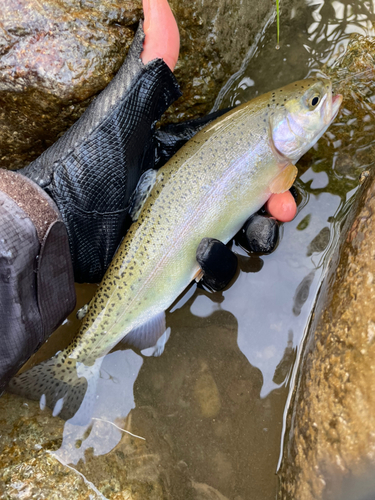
(198, 407)
(211, 407)
(312, 33)
(283, 368)
(320, 242)
(302, 293)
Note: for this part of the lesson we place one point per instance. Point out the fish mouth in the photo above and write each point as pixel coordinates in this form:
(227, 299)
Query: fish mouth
(336, 103)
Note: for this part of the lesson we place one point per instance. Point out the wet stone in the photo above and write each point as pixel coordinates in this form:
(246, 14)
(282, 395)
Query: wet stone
(32, 462)
(209, 50)
(56, 56)
(207, 394)
(206, 492)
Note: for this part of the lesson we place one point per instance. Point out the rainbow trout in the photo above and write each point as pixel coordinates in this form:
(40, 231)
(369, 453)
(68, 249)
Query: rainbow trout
(208, 189)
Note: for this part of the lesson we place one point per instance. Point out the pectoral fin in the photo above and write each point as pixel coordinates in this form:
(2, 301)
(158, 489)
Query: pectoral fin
(141, 192)
(284, 180)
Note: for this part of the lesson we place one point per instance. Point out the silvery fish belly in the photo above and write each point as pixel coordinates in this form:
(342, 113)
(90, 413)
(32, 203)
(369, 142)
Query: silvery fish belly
(208, 189)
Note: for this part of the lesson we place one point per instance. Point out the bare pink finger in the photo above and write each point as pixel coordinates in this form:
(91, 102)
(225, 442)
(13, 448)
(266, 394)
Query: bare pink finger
(162, 35)
(282, 206)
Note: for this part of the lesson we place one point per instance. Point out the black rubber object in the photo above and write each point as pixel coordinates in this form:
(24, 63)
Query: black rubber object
(218, 263)
(93, 169)
(294, 193)
(260, 234)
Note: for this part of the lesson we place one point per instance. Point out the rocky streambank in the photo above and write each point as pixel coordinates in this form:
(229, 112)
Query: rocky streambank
(331, 424)
(330, 442)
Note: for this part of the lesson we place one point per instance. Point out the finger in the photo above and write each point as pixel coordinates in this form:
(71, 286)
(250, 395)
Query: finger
(162, 36)
(282, 206)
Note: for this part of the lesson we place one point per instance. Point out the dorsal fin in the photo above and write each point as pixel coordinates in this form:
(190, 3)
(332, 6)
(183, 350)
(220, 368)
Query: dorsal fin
(284, 179)
(141, 192)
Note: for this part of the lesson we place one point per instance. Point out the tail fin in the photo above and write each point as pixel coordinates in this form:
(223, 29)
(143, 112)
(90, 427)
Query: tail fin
(55, 383)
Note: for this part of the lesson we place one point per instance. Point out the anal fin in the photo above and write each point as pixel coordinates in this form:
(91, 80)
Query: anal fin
(158, 348)
(284, 179)
(147, 334)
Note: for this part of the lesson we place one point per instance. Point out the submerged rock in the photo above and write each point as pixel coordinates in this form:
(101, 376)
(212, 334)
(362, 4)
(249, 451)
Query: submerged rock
(55, 56)
(206, 393)
(27, 439)
(32, 467)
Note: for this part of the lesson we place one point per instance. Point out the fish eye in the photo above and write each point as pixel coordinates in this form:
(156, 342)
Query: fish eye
(314, 100)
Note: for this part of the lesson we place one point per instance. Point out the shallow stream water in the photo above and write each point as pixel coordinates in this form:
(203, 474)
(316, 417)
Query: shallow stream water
(211, 407)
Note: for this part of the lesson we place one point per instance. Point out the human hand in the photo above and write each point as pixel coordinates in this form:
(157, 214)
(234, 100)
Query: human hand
(92, 171)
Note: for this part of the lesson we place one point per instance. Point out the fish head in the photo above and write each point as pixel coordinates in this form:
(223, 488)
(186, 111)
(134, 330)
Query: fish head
(302, 113)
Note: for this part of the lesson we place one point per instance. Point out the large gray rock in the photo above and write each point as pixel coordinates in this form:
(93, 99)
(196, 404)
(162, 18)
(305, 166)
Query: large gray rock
(55, 56)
